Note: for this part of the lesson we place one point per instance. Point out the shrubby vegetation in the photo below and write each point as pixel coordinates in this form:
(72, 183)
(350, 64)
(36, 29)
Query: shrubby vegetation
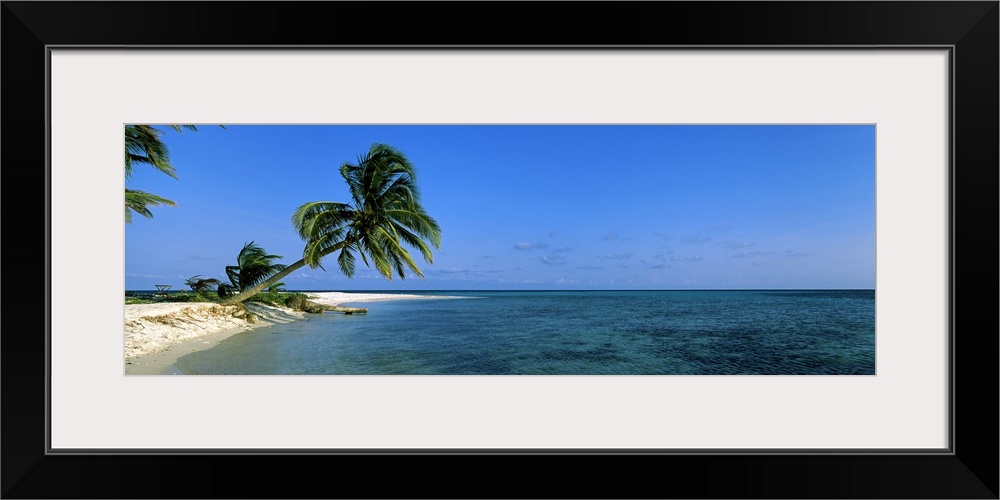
(293, 300)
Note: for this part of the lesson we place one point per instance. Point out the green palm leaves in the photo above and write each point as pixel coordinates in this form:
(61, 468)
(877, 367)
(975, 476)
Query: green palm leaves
(202, 285)
(385, 214)
(384, 218)
(140, 201)
(253, 266)
(144, 147)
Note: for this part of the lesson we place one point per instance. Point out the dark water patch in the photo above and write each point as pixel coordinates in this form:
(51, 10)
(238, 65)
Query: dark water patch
(822, 294)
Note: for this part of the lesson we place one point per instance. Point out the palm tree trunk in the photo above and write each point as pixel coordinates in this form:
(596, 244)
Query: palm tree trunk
(246, 294)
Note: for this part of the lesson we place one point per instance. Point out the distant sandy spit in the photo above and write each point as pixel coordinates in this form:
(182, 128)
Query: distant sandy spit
(338, 298)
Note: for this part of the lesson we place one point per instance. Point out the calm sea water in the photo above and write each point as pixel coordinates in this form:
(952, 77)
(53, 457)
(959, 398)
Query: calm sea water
(568, 333)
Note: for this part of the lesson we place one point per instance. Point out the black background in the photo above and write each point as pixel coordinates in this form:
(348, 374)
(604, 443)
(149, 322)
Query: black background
(971, 472)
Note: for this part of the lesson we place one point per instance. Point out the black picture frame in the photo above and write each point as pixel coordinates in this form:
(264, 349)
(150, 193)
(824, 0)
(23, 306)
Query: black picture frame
(970, 29)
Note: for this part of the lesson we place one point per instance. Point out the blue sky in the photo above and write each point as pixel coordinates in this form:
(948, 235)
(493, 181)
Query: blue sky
(534, 206)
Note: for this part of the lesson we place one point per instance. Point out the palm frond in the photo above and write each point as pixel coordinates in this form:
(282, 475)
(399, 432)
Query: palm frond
(253, 266)
(414, 241)
(140, 201)
(418, 222)
(202, 285)
(178, 127)
(399, 255)
(384, 215)
(374, 249)
(225, 290)
(317, 218)
(233, 273)
(346, 262)
(143, 145)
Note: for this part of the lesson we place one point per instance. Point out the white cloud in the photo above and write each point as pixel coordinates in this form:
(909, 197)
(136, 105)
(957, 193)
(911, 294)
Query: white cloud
(789, 253)
(553, 260)
(696, 240)
(686, 259)
(741, 255)
(525, 246)
(148, 276)
(615, 256)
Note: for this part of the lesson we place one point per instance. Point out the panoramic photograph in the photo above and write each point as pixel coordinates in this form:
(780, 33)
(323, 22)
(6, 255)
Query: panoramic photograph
(541, 249)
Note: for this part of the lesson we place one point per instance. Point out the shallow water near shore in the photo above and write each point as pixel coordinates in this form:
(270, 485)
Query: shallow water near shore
(567, 333)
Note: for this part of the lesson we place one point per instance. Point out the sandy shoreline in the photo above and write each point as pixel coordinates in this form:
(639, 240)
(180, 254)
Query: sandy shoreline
(156, 335)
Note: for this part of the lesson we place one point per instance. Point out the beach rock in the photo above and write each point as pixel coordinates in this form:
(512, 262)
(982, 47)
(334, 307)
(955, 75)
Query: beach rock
(246, 315)
(296, 301)
(349, 310)
(301, 303)
(312, 308)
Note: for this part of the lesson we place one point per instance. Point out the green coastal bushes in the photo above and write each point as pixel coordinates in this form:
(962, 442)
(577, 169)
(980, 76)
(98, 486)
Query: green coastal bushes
(297, 301)
(292, 300)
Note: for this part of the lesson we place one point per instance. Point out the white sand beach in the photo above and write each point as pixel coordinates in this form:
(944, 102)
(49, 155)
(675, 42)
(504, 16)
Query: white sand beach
(339, 298)
(156, 335)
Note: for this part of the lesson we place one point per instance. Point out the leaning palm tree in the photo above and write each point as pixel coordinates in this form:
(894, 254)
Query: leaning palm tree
(253, 265)
(384, 214)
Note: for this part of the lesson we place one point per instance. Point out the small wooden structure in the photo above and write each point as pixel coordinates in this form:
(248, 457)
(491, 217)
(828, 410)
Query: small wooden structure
(161, 290)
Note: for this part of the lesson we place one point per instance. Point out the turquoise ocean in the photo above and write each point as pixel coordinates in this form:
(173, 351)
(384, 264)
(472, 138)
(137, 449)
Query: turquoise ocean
(745, 332)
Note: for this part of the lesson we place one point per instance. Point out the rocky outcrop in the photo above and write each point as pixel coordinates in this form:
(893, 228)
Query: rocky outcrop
(301, 303)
